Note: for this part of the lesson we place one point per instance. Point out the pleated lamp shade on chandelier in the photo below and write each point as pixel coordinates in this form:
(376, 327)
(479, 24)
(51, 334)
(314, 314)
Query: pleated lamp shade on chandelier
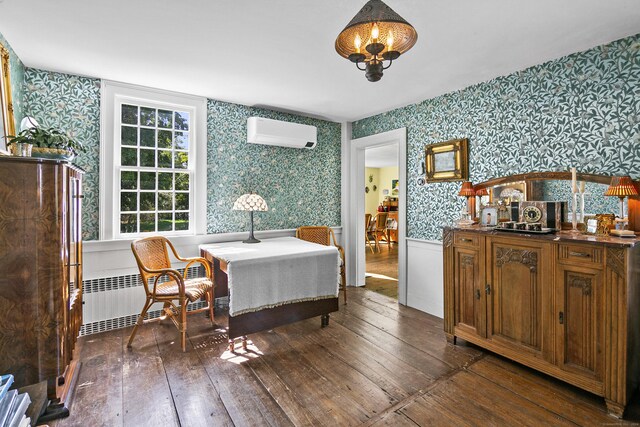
(250, 202)
(375, 35)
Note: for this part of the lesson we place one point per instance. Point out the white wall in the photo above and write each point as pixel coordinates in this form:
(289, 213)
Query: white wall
(424, 276)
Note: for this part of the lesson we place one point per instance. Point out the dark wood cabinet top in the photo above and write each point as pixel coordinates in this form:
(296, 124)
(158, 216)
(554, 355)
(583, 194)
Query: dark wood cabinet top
(559, 236)
(18, 159)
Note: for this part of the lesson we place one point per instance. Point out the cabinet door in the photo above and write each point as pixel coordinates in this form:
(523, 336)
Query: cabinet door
(519, 295)
(470, 301)
(580, 322)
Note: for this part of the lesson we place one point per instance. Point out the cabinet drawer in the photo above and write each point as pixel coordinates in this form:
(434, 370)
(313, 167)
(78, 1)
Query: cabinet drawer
(581, 254)
(469, 240)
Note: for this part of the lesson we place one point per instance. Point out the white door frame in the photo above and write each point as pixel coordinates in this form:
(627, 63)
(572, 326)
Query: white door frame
(354, 218)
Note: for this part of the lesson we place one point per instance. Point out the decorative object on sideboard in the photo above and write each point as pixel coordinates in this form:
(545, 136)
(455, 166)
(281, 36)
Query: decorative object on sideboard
(447, 161)
(250, 202)
(549, 214)
(621, 187)
(48, 143)
(489, 216)
(480, 202)
(7, 121)
(386, 36)
(467, 191)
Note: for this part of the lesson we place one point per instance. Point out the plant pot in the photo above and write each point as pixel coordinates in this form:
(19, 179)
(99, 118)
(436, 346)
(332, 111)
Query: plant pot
(52, 153)
(21, 149)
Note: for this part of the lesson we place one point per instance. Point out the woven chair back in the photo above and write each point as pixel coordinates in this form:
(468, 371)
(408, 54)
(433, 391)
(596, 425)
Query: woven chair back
(381, 220)
(151, 252)
(315, 234)
(367, 222)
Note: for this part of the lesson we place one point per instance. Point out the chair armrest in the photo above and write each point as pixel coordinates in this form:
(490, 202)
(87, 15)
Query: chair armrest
(193, 260)
(172, 273)
(341, 250)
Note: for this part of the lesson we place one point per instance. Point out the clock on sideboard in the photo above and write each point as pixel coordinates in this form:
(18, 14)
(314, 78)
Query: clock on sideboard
(549, 214)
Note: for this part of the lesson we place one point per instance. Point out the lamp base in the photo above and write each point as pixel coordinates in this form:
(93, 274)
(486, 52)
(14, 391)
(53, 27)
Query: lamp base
(251, 239)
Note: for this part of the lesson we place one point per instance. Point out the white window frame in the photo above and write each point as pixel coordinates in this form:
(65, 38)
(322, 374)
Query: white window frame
(113, 95)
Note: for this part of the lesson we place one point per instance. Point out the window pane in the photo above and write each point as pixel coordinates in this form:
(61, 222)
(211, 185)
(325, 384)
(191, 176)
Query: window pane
(182, 181)
(128, 156)
(129, 135)
(128, 201)
(147, 201)
(182, 140)
(148, 137)
(148, 180)
(165, 119)
(147, 222)
(164, 139)
(129, 223)
(165, 201)
(182, 120)
(147, 116)
(165, 181)
(129, 114)
(128, 180)
(181, 160)
(164, 159)
(165, 222)
(182, 221)
(148, 158)
(182, 201)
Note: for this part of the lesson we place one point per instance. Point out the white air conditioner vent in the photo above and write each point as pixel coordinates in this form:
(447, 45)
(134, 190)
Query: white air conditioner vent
(279, 133)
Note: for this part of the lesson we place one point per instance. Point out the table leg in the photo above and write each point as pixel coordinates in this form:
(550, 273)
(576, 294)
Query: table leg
(244, 342)
(231, 345)
(324, 320)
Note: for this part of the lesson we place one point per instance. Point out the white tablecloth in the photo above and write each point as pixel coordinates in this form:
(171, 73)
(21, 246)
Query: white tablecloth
(277, 271)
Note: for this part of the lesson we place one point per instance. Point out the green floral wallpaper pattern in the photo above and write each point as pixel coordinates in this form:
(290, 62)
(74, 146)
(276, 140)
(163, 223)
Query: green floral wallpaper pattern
(16, 69)
(300, 186)
(71, 104)
(581, 110)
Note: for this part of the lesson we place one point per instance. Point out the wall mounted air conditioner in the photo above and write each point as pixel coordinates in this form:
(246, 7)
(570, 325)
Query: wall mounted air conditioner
(282, 134)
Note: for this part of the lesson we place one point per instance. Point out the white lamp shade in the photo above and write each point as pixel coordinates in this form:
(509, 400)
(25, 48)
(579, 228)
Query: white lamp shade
(250, 202)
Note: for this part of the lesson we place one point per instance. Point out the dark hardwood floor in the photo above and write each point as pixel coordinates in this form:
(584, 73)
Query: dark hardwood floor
(382, 270)
(376, 364)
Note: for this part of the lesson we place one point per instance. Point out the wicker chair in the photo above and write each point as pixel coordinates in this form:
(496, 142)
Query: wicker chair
(368, 232)
(153, 262)
(381, 228)
(324, 235)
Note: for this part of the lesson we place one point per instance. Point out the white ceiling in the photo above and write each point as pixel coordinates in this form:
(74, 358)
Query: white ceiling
(381, 157)
(279, 53)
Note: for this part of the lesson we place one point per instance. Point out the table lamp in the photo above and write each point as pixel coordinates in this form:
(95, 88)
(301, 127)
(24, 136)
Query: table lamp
(621, 186)
(250, 202)
(468, 192)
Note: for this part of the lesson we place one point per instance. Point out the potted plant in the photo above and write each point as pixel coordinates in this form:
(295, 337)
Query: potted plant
(48, 143)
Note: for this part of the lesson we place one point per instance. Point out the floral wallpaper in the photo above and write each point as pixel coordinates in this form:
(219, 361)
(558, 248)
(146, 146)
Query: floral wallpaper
(16, 70)
(72, 104)
(581, 110)
(300, 186)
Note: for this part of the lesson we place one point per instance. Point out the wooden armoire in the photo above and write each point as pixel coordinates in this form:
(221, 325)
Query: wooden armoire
(40, 272)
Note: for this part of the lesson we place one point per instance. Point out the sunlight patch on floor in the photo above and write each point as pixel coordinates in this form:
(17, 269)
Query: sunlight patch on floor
(239, 356)
(380, 276)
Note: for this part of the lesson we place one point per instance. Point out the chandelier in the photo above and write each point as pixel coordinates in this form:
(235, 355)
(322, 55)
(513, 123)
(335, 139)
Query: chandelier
(376, 34)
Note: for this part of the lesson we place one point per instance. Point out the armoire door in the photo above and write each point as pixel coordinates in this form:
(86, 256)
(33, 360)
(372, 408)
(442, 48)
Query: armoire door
(470, 301)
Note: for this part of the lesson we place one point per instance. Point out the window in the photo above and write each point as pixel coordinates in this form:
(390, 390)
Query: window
(157, 163)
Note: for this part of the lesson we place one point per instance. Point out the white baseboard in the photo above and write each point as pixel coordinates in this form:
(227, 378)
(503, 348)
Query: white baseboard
(425, 276)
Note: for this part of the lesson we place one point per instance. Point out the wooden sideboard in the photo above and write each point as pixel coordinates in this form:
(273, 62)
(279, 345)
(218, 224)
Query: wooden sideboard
(566, 305)
(40, 273)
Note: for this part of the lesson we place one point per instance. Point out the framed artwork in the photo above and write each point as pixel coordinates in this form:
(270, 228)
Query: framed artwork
(447, 161)
(489, 216)
(7, 125)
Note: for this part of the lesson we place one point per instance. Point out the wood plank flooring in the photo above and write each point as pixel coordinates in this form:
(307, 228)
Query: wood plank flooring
(377, 364)
(382, 270)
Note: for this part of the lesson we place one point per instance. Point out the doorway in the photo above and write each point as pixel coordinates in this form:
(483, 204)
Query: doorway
(355, 206)
(381, 219)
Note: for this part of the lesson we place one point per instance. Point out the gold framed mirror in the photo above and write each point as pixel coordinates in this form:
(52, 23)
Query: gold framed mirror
(6, 103)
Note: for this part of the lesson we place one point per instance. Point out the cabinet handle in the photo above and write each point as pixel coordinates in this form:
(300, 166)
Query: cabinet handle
(487, 289)
(477, 293)
(580, 254)
(462, 239)
(561, 318)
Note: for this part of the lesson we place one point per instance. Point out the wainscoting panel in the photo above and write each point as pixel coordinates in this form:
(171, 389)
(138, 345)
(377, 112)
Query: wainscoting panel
(424, 276)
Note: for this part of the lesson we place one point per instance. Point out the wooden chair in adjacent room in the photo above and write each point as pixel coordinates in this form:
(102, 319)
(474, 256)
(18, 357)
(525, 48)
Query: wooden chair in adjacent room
(175, 290)
(368, 231)
(324, 235)
(381, 229)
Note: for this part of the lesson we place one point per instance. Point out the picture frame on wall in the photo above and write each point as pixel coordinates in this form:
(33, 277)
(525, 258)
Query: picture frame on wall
(7, 125)
(447, 161)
